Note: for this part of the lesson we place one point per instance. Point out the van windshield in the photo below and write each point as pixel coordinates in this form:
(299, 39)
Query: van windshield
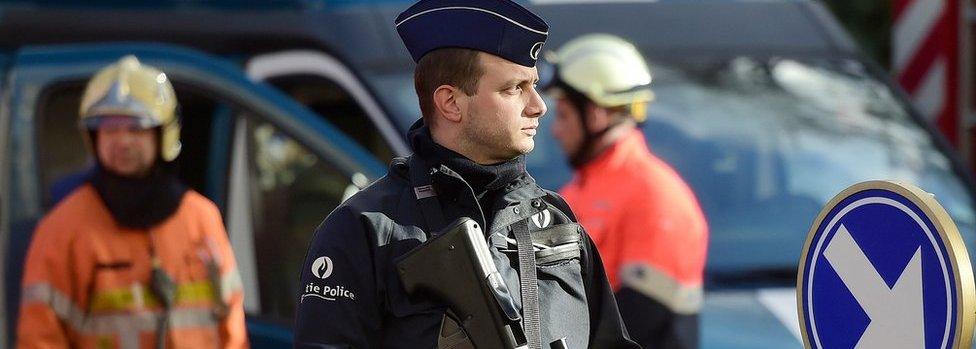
(765, 143)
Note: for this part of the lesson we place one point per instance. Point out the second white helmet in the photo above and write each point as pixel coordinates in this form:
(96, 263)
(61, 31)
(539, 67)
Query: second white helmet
(606, 69)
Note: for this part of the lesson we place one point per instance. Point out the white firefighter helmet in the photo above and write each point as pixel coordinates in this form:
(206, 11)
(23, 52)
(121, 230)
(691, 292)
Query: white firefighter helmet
(607, 70)
(137, 91)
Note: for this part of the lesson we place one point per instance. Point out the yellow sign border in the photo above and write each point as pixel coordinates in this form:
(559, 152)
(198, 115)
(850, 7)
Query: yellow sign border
(956, 247)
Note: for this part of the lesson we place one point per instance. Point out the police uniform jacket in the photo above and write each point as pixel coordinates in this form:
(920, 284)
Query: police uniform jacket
(351, 295)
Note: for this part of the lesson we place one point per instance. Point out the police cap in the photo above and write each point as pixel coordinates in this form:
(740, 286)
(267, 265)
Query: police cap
(499, 27)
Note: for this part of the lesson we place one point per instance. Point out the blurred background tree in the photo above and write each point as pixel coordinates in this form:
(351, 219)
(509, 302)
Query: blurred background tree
(869, 22)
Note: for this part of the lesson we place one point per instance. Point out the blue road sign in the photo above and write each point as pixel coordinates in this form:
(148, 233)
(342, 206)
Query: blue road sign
(885, 267)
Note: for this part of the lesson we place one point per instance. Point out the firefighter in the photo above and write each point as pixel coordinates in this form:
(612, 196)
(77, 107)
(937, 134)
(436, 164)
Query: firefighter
(132, 258)
(644, 219)
(475, 79)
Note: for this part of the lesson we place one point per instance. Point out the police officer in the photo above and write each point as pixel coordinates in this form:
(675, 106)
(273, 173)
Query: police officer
(131, 258)
(475, 79)
(645, 220)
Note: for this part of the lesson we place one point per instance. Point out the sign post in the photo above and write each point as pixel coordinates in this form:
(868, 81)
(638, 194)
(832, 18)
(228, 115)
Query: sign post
(885, 267)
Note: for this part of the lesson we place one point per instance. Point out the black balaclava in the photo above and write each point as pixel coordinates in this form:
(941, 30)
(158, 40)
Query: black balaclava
(139, 203)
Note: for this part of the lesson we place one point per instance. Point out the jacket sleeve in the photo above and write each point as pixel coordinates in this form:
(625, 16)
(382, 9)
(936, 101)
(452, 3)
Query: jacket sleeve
(46, 309)
(662, 268)
(233, 330)
(337, 300)
(607, 328)
(654, 325)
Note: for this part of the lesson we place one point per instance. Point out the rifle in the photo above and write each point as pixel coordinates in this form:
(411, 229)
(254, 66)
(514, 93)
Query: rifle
(455, 267)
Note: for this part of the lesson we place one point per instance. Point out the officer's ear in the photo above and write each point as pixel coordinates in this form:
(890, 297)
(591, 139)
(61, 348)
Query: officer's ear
(447, 104)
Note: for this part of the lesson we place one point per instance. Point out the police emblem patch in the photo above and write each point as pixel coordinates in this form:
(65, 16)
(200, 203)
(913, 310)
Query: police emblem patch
(322, 267)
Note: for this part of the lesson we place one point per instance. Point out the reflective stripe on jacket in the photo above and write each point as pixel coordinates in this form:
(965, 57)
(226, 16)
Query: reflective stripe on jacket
(86, 280)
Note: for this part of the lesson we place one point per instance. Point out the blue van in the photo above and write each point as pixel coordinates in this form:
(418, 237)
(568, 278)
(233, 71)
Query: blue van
(274, 167)
(766, 108)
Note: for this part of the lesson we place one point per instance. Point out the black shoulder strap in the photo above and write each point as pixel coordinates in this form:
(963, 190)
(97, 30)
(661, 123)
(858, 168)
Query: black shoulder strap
(529, 284)
(423, 190)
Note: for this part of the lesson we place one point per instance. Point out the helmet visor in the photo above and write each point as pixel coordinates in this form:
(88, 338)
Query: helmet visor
(118, 122)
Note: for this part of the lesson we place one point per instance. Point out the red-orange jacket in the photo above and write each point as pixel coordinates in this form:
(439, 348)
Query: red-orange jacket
(645, 221)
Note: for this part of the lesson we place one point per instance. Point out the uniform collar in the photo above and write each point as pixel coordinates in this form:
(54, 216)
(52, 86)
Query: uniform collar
(481, 178)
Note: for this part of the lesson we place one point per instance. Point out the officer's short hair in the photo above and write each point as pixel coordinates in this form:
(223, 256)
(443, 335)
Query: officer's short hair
(458, 67)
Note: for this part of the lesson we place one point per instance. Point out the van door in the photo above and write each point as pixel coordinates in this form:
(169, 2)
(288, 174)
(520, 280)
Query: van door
(245, 146)
(4, 159)
(332, 89)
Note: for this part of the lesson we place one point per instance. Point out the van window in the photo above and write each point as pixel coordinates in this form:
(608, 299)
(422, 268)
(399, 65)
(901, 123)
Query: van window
(291, 191)
(63, 154)
(333, 103)
(765, 142)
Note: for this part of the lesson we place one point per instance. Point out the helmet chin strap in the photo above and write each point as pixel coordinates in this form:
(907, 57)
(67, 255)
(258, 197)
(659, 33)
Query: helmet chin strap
(587, 151)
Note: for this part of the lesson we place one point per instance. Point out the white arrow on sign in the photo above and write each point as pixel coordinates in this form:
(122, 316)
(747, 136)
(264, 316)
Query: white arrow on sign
(897, 313)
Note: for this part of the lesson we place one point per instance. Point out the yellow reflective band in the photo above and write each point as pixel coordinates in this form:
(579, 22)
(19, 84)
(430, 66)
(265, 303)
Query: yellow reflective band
(124, 299)
(655, 284)
(195, 292)
(125, 327)
(116, 300)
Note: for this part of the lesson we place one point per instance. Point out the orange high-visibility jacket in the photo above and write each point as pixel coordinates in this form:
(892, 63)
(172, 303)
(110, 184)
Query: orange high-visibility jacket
(645, 221)
(86, 280)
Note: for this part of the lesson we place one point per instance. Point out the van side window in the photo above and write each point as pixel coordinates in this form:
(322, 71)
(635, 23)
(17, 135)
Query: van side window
(333, 103)
(63, 155)
(291, 191)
